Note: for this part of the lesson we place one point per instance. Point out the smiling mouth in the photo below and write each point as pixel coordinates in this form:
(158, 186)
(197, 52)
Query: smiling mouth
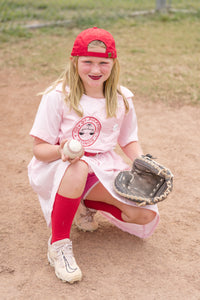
(95, 77)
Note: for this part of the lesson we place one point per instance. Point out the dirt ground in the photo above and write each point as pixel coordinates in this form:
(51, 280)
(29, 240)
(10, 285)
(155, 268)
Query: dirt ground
(115, 265)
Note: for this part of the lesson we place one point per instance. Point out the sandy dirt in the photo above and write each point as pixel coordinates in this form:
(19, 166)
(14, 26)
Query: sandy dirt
(115, 265)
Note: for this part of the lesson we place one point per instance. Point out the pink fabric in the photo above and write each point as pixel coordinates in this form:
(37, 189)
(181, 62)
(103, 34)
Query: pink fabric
(55, 121)
(92, 180)
(142, 231)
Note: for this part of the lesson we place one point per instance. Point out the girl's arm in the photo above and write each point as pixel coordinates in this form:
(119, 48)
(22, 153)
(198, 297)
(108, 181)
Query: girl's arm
(44, 151)
(133, 150)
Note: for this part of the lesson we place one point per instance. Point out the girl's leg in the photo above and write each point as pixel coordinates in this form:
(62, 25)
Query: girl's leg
(60, 253)
(97, 205)
(127, 213)
(73, 182)
(67, 200)
(62, 216)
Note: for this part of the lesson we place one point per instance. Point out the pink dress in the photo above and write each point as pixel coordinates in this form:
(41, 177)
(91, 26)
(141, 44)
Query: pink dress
(55, 121)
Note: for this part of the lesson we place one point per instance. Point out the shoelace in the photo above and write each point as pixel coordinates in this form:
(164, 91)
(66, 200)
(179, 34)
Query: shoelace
(65, 250)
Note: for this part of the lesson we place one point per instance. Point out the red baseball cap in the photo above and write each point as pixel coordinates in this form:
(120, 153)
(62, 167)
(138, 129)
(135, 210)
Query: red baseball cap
(82, 41)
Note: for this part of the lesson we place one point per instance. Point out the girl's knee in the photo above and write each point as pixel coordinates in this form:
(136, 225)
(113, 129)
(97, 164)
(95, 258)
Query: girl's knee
(140, 216)
(74, 179)
(77, 170)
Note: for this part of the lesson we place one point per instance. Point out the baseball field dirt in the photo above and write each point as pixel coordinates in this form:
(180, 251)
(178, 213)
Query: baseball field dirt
(115, 265)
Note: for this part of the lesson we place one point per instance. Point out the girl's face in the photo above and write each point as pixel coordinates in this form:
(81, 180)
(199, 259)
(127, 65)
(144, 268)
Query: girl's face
(94, 71)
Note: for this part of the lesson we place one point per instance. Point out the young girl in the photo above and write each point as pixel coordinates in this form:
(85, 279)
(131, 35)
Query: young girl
(88, 105)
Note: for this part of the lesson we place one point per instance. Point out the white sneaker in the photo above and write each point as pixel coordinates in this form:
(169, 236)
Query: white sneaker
(60, 256)
(84, 218)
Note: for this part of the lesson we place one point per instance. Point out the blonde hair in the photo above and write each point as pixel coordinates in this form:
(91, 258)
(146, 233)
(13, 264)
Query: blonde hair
(71, 78)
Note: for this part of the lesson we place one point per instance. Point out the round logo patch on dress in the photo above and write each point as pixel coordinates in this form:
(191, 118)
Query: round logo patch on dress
(87, 131)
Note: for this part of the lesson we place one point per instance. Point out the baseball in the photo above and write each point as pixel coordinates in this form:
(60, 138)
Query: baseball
(73, 149)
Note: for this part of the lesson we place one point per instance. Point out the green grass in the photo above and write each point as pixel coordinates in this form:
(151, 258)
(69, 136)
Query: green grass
(20, 11)
(159, 53)
(24, 10)
(164, 61)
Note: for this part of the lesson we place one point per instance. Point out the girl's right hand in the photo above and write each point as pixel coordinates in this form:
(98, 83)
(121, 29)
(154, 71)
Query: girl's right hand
(65, 157)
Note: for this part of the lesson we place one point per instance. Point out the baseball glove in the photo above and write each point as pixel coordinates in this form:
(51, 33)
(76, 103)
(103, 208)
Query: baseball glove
(146, 183)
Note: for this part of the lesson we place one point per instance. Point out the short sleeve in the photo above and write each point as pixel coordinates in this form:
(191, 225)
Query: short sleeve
(48, 119)
(129, 127)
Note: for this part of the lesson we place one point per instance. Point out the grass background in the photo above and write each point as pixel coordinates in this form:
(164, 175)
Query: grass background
(159, 53)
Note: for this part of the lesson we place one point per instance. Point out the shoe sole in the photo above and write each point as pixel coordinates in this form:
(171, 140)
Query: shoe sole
(85, 230)
(76, 278)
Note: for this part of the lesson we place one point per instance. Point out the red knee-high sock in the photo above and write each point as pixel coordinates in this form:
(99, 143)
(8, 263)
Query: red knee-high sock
(64, 210)
(113, 210)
